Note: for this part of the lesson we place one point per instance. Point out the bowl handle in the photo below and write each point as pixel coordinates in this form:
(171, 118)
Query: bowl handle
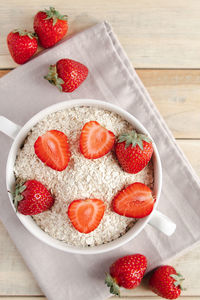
(162, 223)
(8, 127)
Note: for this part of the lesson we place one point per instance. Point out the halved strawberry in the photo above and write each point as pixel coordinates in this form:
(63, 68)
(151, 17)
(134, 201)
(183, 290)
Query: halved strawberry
(95, 140)
(52, 149)
(86, 215)
(135, 201)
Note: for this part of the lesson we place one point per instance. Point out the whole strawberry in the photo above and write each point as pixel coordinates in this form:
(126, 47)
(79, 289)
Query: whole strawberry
(133, 151)
(127, 272)
(67, 74)
(22, 45)
(50, 27)
(166, 282)
(32, 198)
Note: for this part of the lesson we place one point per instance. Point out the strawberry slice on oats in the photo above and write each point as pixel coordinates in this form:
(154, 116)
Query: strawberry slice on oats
(95, 140)
(52, 148)
(85, 215)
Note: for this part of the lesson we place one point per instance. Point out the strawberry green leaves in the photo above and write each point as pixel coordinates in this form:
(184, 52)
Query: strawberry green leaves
(17, 194)
(53, 78)
(178, 280)
(133, 138)
(114, 287)
(55, 15)
(21, 32)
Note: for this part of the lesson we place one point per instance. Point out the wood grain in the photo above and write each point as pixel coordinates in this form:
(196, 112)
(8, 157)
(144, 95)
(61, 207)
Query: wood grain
(176, 94)
(23, 298)
(155, 34)
(15, 278)
(113, 298)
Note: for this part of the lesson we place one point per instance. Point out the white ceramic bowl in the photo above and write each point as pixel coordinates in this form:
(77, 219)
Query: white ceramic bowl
(19, 134)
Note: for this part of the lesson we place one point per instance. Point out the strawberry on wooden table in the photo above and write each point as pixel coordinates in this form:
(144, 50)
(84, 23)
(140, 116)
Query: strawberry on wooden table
(126, 272)
(67, 75)
(32, 198)
(95, 140)
(52, 148)
(166, 282)
(134, 201)
(85, 215)
(133, 151)
(22, 45)
(50, 27)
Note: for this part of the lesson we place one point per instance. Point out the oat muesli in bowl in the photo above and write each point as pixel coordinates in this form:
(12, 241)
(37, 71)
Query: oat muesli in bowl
(86, 177)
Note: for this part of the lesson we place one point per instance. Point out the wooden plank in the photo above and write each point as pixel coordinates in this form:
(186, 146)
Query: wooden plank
(191, 149)
(4, 72)
(155, 34)
(113, 298)
(25, 298)
(16, 279)
(176, 94)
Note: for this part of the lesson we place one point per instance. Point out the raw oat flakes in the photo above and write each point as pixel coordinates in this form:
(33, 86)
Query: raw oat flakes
(83, 178)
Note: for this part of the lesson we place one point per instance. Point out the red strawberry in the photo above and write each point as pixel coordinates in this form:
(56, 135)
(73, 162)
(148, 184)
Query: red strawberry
(95, 140)
(135, 201)
(32, 198)
(133, 151)
(127, 272)
(52, 149)
(50, 26)
(166, 282)
(67, 74)
(86, 215)
(22, 45)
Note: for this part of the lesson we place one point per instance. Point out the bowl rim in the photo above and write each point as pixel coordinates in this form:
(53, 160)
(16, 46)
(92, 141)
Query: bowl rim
(44, 237)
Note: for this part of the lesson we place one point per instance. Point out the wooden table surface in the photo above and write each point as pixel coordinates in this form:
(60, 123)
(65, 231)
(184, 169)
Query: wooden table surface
(162, 39)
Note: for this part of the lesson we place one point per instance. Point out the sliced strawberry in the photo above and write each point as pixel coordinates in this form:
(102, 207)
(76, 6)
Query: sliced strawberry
(52, 149)
(86, 215)
(95, 140)
(135, 201)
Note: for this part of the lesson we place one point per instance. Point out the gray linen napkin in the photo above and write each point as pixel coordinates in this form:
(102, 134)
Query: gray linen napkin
(64, 276)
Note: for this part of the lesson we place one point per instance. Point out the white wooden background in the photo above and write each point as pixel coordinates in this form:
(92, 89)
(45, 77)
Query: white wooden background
(162, 39)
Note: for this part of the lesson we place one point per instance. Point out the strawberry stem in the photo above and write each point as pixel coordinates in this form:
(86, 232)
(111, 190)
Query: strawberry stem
(112, 284)
(21, 32)
(54, 15)
(178, 280)
(17, 194)
(53, 78)
(133, 138)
